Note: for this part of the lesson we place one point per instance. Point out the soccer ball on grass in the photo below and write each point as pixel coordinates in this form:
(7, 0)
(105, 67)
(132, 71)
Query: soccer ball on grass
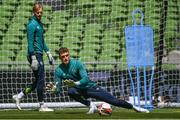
(104, 109)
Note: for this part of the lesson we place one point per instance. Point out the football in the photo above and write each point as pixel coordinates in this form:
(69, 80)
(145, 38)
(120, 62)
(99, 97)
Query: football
(104, 109)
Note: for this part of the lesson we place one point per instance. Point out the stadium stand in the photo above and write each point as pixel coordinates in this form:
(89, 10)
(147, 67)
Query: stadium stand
(76, 30)
(171, 31)
(54, 35)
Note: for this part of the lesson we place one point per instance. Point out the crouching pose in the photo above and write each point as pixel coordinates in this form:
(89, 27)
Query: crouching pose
(73, 73)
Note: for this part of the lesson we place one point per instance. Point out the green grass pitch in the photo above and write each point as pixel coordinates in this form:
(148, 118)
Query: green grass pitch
(80, 113)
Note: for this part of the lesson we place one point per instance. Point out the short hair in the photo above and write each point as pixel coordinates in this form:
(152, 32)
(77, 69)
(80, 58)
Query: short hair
(63, 50)
(36, 7)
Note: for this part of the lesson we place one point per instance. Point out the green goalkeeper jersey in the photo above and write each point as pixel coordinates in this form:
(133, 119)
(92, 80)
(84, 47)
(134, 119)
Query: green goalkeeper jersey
(35, 38)
(75, 71)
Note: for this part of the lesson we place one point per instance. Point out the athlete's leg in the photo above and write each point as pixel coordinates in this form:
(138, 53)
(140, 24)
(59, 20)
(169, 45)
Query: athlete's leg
(78, 96)
(40, 78)
(99, 93)
(33, 85)
(81, 96)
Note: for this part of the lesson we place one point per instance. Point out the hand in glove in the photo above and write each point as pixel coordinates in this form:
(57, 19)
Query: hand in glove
(50, 57)
(70, 83)
(34, 64)
(50, 87)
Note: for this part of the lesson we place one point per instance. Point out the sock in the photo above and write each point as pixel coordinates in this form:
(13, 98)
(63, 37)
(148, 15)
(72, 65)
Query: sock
(41, 104)
(20, 95)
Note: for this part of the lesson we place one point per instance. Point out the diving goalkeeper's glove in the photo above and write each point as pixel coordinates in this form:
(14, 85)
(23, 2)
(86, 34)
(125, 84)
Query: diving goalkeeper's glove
(71, 83)
(50, 57)
(50, 87)
(34, 64)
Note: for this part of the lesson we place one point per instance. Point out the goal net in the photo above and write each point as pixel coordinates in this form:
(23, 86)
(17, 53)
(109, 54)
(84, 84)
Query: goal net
(93, 30)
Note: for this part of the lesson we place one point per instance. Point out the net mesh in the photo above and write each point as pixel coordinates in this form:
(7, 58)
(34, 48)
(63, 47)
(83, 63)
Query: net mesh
(93, 30)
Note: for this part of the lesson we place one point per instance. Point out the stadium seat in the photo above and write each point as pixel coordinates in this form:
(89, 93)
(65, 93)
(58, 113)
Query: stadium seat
(10, 2)
(171, 31)
(85, 31)
(93, 33)
(25, 15)
(56, 26)
(47, 14)
(55, 32)
(28, 3)
(7, 15)
(152, 14)
(59, 20)
(70, 40)
(85, 4)
(5, 55)
(73, 32)
(93, 46)
(112, 33)
(78, 21)
(26, 8)
(116, 2)
(72, 45)
(106, 56)
(92, 39)
(47, 9)
(104, 66)
(102, 7)
(8, 52)
(119, 10)
(88, 56)
(93, 29)
(1, 37)
(22, 55)
(3, 27)
(52, 38)
(61, 15)
(7, 8)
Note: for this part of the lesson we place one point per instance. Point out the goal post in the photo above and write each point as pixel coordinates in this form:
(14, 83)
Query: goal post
(93, 30)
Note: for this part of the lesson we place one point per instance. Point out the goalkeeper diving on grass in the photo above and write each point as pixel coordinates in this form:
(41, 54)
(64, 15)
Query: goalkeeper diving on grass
(73, 73)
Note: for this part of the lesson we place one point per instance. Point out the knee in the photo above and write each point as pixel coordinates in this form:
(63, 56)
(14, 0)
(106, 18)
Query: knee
(72, 91)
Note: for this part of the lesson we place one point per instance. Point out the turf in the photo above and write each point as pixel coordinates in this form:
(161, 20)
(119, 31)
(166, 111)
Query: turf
(76, 113)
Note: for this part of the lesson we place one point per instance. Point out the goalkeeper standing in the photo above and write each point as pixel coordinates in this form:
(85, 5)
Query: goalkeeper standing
(36, 47)
(73, 73)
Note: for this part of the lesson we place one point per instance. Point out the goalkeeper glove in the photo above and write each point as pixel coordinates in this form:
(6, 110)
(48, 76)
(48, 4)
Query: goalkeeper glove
(34, 64)
(50, 87)
(50, 57)
(71, 83)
